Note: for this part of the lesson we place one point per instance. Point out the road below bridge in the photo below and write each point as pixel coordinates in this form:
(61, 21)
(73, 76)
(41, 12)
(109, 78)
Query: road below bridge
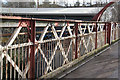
(104, 65)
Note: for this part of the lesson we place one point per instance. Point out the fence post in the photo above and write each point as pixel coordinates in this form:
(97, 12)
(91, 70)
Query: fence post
(32, 51)
(115, 32)
(96, 25)
(105, 32)
(76, 38)
(109, 33)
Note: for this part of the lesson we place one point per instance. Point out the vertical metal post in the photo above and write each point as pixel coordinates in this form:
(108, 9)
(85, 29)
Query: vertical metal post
(109, 33)
(32, 53)
(105, 32)
(115, 32)
(76, 38)
(96, 35)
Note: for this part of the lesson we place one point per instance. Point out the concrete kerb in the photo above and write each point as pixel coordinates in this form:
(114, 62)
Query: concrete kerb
(76, 61)
(115, 41)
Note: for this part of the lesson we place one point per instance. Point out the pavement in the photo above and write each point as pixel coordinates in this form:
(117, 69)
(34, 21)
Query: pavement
(104, 66)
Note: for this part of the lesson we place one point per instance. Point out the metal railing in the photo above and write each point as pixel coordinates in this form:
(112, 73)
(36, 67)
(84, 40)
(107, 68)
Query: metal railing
(31, 50)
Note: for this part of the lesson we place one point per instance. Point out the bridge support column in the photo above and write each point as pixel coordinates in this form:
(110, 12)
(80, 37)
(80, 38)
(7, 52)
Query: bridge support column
(32, 51)
(109, 33)
(76, 38)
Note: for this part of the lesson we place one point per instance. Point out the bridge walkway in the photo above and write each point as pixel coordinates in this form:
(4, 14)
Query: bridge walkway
(104, 65)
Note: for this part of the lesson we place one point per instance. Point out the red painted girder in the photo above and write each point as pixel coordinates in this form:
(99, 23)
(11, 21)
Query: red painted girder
(97, 17)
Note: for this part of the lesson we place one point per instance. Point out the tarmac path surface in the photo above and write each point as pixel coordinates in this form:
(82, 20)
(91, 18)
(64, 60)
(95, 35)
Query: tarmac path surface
(104, 65)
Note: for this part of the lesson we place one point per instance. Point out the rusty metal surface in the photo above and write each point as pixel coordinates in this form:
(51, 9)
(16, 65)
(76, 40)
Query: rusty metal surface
(49, 20)
(40, 53)
(37, 53)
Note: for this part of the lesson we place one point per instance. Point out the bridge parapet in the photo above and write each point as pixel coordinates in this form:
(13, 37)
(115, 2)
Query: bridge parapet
(53, 11)
(33, 51)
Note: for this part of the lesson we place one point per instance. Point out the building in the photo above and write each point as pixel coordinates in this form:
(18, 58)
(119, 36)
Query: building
(19, 4)
(48, 4)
